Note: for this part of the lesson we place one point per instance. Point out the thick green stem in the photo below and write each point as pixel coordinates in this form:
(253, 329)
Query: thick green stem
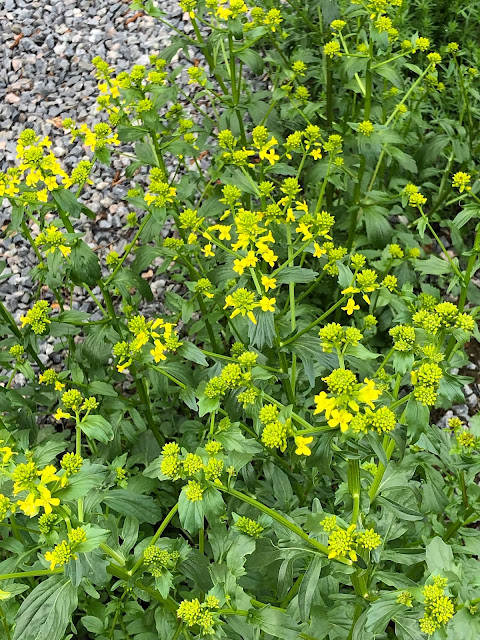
(157, 535)
(281, 520)
(354, 487)
(388, 447)
(314, 323)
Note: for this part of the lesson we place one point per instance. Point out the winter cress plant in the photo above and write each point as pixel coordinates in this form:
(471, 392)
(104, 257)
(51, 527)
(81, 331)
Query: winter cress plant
(253, 455)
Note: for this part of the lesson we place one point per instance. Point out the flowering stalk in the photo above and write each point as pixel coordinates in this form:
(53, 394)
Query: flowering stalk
(281, 520)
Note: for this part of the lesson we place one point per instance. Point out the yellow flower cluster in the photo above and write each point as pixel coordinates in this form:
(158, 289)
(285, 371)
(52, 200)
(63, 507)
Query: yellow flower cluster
(275, 431)
(74, 401)
(159, 192)
(192, 466)
(344, 397)
(36, 165)
(344, 543)
(37, 317)
(31, 483)
(52, 239)
(161, 333)
(192, 612)
(97, 138)
(65, 550)
(439, 608)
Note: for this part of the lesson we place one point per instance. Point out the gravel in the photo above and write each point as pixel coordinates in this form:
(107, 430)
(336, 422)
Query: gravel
(46, 75)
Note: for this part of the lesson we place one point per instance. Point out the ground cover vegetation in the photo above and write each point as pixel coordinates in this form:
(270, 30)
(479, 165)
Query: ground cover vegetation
(257, 458)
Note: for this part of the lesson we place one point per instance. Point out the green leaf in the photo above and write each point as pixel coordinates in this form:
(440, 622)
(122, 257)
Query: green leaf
(262, 333)
(99, 388)
(146, 154)
(129, 134)
(439, 556)
(191, 514)
(434, 266)
(274, 622)
(468, 212)
(92, 624)
(310, 352)
(379, 229)
(308, 586)
(135, 505)
(296, 274)
(381, 612)
(404, 160)
(251, 59)
(90, 476)
(97, 428)
(85, 265)
(391, 74)
(95, 537)
(67, 202)
(402, 512)
(191, 352)
(46, 611)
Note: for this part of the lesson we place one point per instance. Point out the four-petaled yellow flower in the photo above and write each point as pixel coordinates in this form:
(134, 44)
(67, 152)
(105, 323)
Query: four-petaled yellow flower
(46, 501)
(61, 414)
(269, 283)
(301, 442)
(48, 474)
(158, 353)
(267, 304)
(369, 393)
(324, 403)
(29, 505)
(340, 418)
(207, 250)
(319, 251)
(350, 307)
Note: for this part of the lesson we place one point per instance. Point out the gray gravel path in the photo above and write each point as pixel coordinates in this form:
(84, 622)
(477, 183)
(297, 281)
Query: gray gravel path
(46, 76)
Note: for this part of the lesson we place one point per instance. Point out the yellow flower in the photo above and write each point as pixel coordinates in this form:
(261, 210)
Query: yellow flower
(59, 385)
(267, 304)
(290, 215)
(207, 250)
(316, 154)
(29, 506)
(305, 229)
(301, 442)
(340, 418)
(369, 393)
(269, 283)
(46, 501)
(48, 474)
(158, 352)
(324, 403)
(6, 454)
(61, 414)
(319, 251)
(350, 306)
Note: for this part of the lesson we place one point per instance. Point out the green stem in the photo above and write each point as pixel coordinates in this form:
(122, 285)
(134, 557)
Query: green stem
(281, 520)
(120, 560)
(354, 487)
(5, 624)
(78, 451)
(30, 574)
(388, 447)
(157, 535)
(314, 323)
